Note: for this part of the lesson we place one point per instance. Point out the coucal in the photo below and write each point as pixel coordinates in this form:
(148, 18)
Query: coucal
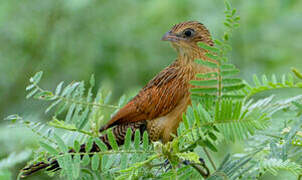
(158, 107)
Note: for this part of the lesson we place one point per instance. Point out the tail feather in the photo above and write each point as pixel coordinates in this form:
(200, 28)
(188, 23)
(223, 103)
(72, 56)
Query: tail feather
(52, 166)
(119, 132)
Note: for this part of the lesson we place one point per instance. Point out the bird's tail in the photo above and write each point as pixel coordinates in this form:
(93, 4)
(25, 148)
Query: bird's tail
(53, 165)
(119, 132)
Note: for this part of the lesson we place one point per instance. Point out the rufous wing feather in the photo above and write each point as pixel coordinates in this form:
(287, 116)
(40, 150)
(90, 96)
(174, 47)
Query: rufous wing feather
(156, 99)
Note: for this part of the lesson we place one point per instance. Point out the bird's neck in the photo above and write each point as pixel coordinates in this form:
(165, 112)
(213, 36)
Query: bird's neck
(186, 56)
(187, 65)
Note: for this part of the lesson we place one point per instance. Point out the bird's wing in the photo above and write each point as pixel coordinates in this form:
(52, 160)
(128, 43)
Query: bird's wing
(157, 98)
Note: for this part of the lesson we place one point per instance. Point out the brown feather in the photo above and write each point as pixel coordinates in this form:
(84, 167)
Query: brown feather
(154, 100)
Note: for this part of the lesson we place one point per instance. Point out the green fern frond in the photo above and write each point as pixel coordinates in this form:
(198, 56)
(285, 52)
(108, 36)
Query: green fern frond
(71, 98)
(231, 168)
(232, 118)
(275, 165)
(270, 83)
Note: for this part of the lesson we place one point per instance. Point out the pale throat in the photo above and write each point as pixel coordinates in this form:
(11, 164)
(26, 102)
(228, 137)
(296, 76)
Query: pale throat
(188, 55)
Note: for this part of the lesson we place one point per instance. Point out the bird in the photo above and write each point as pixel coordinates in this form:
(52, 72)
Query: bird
(158, 107)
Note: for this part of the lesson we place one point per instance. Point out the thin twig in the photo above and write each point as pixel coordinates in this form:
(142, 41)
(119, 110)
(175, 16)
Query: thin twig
(74, 129)
(209, 157)
(205, 173)
(105, 152)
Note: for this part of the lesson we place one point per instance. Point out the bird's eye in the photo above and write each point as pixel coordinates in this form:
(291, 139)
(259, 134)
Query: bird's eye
(188, 32)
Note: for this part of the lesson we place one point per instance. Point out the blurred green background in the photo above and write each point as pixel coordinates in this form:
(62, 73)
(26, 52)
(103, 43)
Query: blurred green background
(119, 42)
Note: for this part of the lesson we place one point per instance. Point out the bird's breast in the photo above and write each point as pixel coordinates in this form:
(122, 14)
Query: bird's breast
(162, 127)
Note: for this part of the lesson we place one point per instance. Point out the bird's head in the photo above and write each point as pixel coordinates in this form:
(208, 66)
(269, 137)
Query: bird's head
(185, 36)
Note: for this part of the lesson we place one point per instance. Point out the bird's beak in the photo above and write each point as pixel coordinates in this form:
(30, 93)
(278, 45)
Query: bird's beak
(169, 36)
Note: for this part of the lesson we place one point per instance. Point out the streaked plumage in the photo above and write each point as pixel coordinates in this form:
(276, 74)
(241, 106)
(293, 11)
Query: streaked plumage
(158, 107)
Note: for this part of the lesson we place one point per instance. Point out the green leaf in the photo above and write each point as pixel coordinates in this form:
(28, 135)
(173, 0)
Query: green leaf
(207, 75)
(256, 80)
(229, 81)
(44, 95)
(88, 145)
(226, 35)
(297, 73)
(13, 118)
(205, 116)
(274, 79)
(76, 166)
(112, 141)
(95, 161)
(48, 148)
(70, 112)
(137, 138)
(206, 63)
(108, 97)
(122, 101)
(36, 78)
(227, 66)
(185, 121)
(59, 88)
(230, 20)
(68, 89)
(83, 118)
(264, 80)
(190, 156)
(85, 160)
(29, 95)
(237, 18)
(68, 166)
(227, 5)
(233, 87)
(203, 90)
(204, 82)
(236, 25)
(61, 143)
(218, 42)
(104, 162)
(60, 108)
(145, 140)
(128, 138)
(100, 144)
(210, 145)
(76, 146)
(196, 117)
(209, 48)
(212, 136)
(299, 106)
(124, 159)
(212, 56)
(53, 105)
(232, 72)
(233, 12)
(227, 25)
(92, 81)
(29, 87)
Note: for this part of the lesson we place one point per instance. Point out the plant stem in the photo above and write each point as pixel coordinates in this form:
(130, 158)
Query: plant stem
(210, 158)
(78, 102)
(204, 174)
(74, 129)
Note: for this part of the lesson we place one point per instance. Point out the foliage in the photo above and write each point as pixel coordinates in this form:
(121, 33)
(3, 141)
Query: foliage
(223, 111)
